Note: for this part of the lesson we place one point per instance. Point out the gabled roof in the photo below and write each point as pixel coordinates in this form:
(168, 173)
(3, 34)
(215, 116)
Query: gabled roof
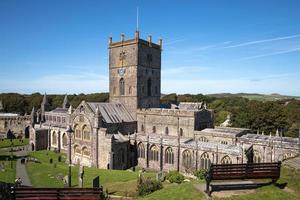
(112, 112)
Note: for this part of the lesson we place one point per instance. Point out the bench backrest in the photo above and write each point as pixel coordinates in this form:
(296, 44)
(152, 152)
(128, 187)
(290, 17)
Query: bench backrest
(244, 171)
(57, 193)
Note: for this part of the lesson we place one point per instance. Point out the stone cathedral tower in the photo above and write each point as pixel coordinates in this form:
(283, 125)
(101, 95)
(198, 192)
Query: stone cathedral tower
(135, 73)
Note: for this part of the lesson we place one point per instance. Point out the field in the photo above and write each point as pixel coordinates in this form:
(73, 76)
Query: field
(123, 183)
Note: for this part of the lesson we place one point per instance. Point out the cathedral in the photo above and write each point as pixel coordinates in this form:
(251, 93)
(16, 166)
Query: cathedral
(133, 130)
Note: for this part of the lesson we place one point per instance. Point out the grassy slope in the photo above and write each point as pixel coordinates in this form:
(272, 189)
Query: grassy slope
(7, 175)
(45, 174)
(15, 142)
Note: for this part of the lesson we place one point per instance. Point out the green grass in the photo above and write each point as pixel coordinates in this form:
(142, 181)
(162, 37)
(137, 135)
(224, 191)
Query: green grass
(8, 174)
(15, 142)
(44, 174)
(123, 183)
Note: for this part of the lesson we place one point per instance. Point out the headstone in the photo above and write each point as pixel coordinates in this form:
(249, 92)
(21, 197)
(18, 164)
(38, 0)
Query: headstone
(96, 182)
(59, 158)
(160, 176)
(51, 160)
(80, 176)
(66, 181)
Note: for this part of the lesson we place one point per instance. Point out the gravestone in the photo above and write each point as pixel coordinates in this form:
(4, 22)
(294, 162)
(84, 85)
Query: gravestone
(96, 182)
(80, 176)
(66, 181)
(51, 160)
(160, 176)
(59, 158)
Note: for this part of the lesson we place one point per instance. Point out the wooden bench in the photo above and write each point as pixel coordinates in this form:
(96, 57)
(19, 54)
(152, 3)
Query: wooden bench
(242, 171)
(27, 193)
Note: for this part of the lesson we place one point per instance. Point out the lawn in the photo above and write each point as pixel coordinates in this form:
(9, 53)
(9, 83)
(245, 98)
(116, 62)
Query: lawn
(44, 174)
(123, 183)
(7, 174)
(15, 142)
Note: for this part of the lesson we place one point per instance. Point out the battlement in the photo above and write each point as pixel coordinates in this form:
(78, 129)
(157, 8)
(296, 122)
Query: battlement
(165, 111)
(136, 40)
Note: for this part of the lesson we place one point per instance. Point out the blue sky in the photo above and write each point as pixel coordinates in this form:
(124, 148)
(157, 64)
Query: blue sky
(60, 46)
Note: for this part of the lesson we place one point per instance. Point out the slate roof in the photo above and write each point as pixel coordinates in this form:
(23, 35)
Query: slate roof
(226, 131)
(112, 112)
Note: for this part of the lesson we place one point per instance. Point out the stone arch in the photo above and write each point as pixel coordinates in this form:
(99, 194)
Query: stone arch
(122, 86)
(64, 139)
(187, 159)
(77, 149)
(205, 161)
(85, 151)
(169, 156)
(226, 160)
(54, 138)
(256, 157)
(141, 150)
(153, 155)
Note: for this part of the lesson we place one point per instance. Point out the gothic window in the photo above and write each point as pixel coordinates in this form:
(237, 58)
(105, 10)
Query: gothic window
(54, 138)
(149, 84)
(166, 131)
(169, 156)
(86, 133)
(77, 149)
(181, 132)
(114, 90)
(226, 160)
(85, 151)
(154, 129)
(65, 140)
(256, 157)
(122, 86)
(54, 118)
(46, 117)
(77, 132)
(224, 142)
(81, 109)
(153, 153)
(63, 120)
(187, 159)
(122, 55)
(203, 139)
(58, 119)
(204, 161)
(50, 118)
(129, 90)
(141, 151)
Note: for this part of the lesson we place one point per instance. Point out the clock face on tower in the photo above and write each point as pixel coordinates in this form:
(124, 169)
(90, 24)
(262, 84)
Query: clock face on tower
(121, 71)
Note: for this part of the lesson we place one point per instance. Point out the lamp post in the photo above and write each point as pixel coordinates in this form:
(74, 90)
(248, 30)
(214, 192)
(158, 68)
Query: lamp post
(69, 132)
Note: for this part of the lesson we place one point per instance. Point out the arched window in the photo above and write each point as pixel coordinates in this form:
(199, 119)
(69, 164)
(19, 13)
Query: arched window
(256, 157)
(204, 161)
(65, 140)
(166, 131)
(85, 151)
(181, 132)
(187, 159)
(130, 90)
(149, 87)
(142, 128)
(77, 150)
(226, 160)
(154, 129)
(169, 156)
(224, 142)
(77, 132)
(153, 153)
(203, 139)
(122, 86)
(54, 138)
(141, 150)
(86, 133)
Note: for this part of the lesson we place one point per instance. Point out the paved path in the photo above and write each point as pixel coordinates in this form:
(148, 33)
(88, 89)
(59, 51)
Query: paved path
(293, 162)
(21, 169)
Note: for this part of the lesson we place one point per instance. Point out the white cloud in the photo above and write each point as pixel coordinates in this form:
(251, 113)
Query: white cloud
(271, 54)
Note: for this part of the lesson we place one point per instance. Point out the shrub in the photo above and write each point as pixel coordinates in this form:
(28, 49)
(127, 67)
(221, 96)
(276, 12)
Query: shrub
(147, 185)
(201, 174)
(175, 177)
